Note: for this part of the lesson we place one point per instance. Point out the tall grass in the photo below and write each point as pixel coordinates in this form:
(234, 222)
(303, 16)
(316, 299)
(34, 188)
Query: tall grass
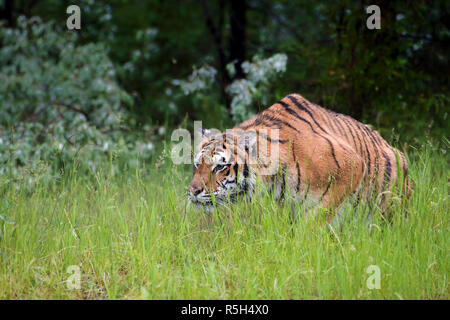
(132, 236)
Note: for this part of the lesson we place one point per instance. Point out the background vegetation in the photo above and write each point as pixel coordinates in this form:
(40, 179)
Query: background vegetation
(85, 124)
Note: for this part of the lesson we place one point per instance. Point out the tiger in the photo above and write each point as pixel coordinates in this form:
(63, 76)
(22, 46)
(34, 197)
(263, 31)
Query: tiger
(320, 156)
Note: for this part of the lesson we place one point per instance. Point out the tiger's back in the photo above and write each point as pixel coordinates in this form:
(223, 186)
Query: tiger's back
(326, 147)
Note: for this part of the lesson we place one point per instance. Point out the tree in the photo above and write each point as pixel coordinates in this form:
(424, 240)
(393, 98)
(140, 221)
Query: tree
(236, 51)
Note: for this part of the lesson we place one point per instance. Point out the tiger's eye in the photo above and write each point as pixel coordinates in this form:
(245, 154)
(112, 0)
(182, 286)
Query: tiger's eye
(219, 167)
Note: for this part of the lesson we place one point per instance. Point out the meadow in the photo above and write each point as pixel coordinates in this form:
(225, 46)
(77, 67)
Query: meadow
(133, 236)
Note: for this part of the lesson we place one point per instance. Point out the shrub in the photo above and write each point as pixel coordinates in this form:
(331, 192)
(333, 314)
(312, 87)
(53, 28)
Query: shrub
(60, 101)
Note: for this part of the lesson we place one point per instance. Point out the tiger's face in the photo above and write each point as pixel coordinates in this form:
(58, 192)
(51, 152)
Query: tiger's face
(215, 175)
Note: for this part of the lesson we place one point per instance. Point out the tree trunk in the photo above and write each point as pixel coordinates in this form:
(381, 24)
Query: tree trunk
(238, 37)
(217, 35)
(6, 12)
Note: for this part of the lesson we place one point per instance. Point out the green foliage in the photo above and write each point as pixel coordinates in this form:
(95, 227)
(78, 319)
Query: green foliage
(133, 237)
(60, 101)
(382, 77)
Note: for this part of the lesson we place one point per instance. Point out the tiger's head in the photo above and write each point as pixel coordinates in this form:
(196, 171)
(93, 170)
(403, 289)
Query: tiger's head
(221, 172)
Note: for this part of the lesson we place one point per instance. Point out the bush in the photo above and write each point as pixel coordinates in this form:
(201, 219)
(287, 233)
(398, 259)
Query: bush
(60, 102)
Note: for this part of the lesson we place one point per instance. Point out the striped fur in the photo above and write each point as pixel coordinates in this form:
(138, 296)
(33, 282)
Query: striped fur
(322, 155)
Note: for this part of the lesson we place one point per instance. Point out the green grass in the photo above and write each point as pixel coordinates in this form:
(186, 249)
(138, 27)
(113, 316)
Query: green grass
(132, 237)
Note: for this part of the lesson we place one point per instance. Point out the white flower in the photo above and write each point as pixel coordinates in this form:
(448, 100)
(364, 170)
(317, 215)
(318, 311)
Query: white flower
(162, 130)
(172, 106)
(199, 79)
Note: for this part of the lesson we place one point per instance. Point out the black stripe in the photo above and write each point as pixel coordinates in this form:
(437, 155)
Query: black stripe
(371, 134)
(361, 142)
(297, 188)
(303, 108)
(306, 193)
(351, 132)
(367, 131)
(268, 121)
(265, 120)
(270, 139)
(405, 173)
(256, 122)
(246, 147)
(369, 164)
(352, 124)
(326, 190)
(404, 165)
(283, 183)
(224, 136)
(331, 120)
(377, 152)
(342, 130)
(331, 123)
(388, 168)
(245, 170)
(236, 170)
(245, 186)
(295, 114)
(292, 112)
(235, 148)
(336, 118)
(380, 141)
(287, 124)
(280, 122)
(325, 116)
(375, 146)
(238, 155)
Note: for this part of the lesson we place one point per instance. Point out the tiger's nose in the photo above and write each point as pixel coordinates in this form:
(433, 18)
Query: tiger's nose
(195, 190)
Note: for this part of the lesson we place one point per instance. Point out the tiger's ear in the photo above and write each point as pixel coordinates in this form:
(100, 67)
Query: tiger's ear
(203, 135)
(200, 137)
(206, 134)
